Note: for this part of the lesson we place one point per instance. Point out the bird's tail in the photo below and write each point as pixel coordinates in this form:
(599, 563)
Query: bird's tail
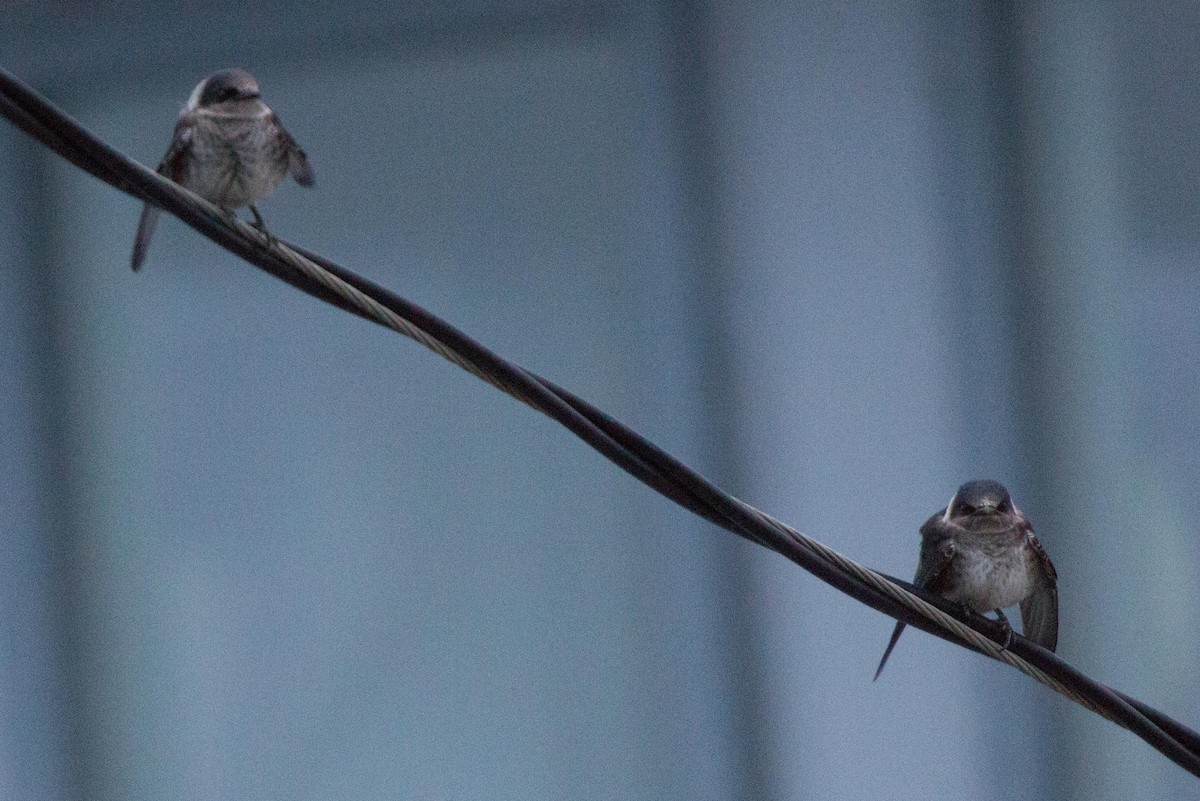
(141, 242)
(891, 644)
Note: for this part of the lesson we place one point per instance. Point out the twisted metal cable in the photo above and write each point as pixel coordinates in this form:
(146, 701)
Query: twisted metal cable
(333, 284)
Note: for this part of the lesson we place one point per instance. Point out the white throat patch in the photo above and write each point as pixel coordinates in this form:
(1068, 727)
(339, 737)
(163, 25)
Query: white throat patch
(949, 506)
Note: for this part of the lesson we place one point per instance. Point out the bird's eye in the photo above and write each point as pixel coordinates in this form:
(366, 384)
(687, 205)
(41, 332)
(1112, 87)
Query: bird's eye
(966, 509)
(229, 93)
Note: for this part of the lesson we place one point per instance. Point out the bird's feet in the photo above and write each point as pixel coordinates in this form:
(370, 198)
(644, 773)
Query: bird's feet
(262, 227)
(1003, 628)
(1002, 631)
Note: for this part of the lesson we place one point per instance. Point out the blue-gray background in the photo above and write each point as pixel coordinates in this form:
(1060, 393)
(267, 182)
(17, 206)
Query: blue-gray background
(839, 257)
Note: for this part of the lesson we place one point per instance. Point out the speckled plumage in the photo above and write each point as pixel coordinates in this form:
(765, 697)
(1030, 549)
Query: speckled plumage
(991, 570)
(234, 161)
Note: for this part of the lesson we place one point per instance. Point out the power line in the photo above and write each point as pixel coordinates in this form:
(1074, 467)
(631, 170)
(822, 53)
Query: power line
(331, 283)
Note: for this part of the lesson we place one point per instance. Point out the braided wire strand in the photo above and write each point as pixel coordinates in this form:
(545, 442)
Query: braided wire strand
(981, 642)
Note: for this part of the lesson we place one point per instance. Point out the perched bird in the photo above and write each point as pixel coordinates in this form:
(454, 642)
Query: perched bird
(229, 148)
(980, 551)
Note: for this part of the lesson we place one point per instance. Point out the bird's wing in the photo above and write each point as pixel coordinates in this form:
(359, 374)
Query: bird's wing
(937, 551)
(1039, 612)
(171, 167)
(298, 166)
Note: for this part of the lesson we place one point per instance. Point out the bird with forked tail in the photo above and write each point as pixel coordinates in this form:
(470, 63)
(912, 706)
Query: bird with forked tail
(980, 551)
(229, 148)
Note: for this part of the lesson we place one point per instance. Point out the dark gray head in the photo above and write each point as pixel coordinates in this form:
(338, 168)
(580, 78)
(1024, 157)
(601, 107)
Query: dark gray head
(980, 498)
(224, 86)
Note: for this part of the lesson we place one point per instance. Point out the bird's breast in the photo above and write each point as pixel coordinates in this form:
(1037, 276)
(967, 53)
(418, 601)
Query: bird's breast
(989, 575)
(235, 162)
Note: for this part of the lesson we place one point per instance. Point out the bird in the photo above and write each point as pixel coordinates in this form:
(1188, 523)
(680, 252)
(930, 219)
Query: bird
(229, 148)
(980, 551)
